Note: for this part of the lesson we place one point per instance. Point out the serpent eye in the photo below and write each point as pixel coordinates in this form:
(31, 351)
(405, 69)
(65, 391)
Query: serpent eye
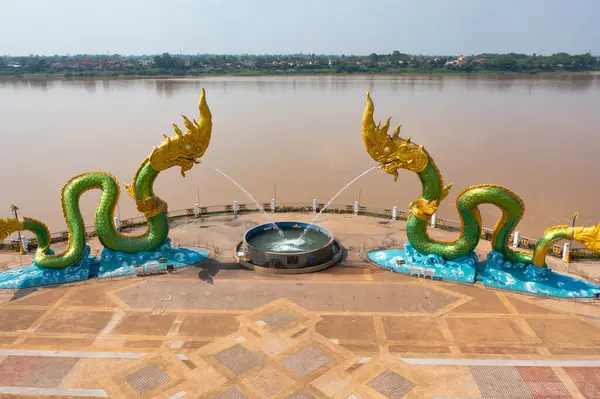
(386, 150)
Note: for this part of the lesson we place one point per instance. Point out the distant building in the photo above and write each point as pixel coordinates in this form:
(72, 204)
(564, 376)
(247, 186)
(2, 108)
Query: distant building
(459, 61)
(13, 65)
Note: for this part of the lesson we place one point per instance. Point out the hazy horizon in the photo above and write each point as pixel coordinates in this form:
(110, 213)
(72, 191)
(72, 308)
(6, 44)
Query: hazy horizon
(275, 54)
(334, 27)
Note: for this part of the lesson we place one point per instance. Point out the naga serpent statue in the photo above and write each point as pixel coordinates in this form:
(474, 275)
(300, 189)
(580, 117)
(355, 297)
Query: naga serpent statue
(394, 152)
(182, 150)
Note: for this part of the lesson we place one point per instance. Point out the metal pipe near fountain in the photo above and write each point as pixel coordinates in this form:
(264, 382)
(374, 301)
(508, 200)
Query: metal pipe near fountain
(235, 207)
(314, 205)
(273, 205)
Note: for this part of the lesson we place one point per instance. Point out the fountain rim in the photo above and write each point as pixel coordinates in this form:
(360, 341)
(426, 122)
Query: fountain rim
(320, 229)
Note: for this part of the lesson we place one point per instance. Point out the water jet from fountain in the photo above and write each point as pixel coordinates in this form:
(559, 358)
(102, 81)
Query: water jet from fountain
(258, 206)
(335, 196)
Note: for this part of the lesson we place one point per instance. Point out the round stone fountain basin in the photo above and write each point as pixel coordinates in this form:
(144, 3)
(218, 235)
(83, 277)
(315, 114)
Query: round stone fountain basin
(297, 251)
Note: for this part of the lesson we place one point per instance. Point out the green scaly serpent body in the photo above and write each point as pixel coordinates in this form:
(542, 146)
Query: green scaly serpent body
(108, 235)
(467, 203)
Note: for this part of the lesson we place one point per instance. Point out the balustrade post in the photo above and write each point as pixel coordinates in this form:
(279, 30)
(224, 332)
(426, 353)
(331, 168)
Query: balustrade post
(516, 239)
(433, 219)
(566, 255)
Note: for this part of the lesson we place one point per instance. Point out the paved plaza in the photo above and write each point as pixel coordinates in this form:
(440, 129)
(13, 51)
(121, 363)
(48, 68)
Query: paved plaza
(352, 331)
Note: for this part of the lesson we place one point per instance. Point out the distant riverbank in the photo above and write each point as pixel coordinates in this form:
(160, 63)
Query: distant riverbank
(487, 74)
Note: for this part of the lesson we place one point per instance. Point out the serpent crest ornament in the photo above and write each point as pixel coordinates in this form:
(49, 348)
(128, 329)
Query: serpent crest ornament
(183, 150)
(394, 152)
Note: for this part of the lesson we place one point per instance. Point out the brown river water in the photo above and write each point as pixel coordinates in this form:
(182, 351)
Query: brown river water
(537, 136)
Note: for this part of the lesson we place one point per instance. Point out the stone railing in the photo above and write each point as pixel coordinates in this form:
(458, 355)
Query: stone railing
(393, 213)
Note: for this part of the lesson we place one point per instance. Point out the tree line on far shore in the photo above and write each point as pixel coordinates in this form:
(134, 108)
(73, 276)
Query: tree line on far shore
(206, 64)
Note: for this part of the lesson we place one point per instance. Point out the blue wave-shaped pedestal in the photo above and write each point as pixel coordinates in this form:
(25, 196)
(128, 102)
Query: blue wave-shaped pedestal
(110, 264)
(35, 276)
(116, 264)
(500, 273)
(496, 272)
(462, 269)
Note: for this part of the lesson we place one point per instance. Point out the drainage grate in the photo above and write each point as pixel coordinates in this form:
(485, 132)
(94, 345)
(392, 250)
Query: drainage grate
(307, 360)
(147, 378)
(238, 359)
(391, 385)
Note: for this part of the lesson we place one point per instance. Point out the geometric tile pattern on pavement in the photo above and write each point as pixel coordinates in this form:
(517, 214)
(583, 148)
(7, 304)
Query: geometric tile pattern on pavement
(34, 371)
(269, 382)
(87, 372)
(238, 359)
(230, 393)
(586, 379)
(543, 383)
(301, 394)
(332, 385)
(451, 381)
(278, 318)
(391, 385)
(292, 360)
(500, 382)
(281, 350)
(158, 375)
(306, 360)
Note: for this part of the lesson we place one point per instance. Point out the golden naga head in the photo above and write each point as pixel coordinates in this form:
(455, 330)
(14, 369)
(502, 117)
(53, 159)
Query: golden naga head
(8, 226)
(393, 152)
(588, 236)
(184, 149)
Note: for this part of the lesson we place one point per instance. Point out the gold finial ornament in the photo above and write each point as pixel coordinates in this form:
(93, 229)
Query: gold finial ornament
(392, 152)
(184, 148)
(151, 206)
(423, 209)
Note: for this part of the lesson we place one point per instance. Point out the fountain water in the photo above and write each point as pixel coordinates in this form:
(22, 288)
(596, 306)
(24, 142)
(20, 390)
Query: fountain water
(334, 197)
(258, 206)
(264, 251)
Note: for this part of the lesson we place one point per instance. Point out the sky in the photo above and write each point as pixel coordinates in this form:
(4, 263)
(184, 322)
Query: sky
(430, 27)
